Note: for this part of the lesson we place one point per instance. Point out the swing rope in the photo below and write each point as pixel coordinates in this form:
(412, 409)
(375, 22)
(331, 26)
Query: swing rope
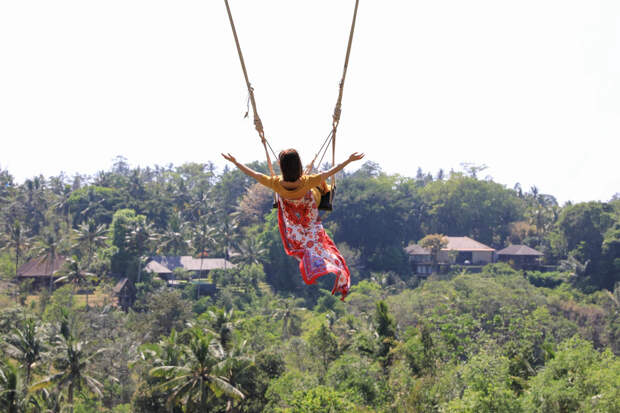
(258, 124)
(337, 109)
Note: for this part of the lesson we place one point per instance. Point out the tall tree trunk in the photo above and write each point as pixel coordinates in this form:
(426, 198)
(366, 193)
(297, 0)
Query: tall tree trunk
(16, 259)
(203, 395)
(52, 276)
(90, 255)
(139, 268)
(16, 268)
(70, 398)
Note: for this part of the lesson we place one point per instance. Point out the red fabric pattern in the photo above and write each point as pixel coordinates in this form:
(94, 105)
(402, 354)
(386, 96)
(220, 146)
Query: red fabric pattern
(304, 237)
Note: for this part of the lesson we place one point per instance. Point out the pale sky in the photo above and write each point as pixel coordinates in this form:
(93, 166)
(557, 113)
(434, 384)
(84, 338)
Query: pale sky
(530, 88)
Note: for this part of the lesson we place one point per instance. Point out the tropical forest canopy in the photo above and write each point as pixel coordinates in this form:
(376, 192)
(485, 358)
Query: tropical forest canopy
(498, 340)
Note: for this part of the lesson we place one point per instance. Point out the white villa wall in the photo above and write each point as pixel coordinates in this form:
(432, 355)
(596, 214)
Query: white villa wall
(478, 257)
(482, 257)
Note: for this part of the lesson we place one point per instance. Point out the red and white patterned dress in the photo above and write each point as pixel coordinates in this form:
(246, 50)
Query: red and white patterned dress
(304, 238)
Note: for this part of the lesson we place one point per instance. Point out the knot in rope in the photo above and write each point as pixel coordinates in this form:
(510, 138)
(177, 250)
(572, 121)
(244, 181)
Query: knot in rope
(258, 124)
(336, 115)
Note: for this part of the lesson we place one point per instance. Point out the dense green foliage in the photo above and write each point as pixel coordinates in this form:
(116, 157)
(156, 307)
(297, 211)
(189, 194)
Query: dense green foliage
(501, 340)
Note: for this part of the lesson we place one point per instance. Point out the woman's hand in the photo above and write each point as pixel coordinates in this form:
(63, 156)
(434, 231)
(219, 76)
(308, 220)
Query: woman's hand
(230, 158)
(248, 171)
(355, 156)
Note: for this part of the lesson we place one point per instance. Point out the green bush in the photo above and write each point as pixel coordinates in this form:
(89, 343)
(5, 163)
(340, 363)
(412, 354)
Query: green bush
(320, 399)
(546, 279)
(7, 266)
(578, 379)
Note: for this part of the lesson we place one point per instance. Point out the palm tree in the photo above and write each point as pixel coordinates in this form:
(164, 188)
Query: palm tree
(10, 388)
(235, 368)
(223, 323)
(63, 193)
(173, 240)
(142, 239)
(199, 204)
(74, 274)
(203, 238)
(93, 205)
(25, 346)
(226, 232)
(71, 363)
(167, 352)
(251, 251)
(197, 380)
(291, 321)
(48, 247)
(45, 401)
(89, 236)
(15, 238)
(34, 202)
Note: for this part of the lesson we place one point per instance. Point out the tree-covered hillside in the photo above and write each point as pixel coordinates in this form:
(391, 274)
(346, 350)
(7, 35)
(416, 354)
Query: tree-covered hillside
(499, 340)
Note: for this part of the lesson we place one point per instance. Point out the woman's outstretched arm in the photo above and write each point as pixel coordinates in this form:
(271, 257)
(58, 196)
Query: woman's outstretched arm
(248, 171)
(354, 157)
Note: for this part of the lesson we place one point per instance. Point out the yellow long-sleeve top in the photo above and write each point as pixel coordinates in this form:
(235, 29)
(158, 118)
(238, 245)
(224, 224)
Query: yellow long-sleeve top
(307, 182)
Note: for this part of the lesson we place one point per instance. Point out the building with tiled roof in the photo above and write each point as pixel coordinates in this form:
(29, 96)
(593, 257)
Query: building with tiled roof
(521, 256)
(40, 269)
(459, 250)
(465, 250)
(420, 259)
(164, 266)
(466, 244)
(519, 250)
(125, 293)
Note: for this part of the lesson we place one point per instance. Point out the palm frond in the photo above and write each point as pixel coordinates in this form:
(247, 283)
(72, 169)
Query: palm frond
(94, 385)
(48, 381)
(221, 385)
(163, 371)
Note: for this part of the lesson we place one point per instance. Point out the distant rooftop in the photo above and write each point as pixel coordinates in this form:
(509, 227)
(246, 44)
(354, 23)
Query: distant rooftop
(465, 244)
(454, 244)
(167, 264)
(518, 249)
(415, 249)
(41, 266)
(157, 268)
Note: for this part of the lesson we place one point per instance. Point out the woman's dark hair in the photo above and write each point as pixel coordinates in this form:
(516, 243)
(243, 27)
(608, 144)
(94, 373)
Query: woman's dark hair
(290, 165)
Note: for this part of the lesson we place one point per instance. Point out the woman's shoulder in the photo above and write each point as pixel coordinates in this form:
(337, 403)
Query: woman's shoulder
(266, 180)
(312, 179)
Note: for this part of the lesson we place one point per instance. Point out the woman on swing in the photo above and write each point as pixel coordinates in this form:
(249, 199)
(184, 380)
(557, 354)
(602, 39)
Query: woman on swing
(300, 226)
